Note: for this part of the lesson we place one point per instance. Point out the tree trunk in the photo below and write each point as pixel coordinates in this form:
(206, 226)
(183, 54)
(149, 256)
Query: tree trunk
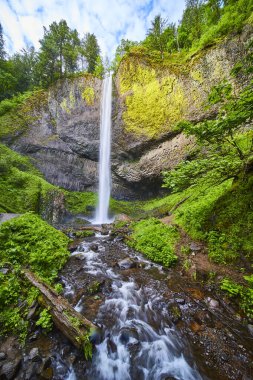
(71, 323)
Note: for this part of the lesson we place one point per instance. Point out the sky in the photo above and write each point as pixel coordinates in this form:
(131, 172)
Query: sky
(109, 20)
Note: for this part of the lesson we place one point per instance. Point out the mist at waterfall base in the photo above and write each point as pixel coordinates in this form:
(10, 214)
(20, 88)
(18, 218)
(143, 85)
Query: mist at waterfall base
(101, 216)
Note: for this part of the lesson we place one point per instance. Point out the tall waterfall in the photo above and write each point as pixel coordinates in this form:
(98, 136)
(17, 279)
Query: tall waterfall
(104, 154)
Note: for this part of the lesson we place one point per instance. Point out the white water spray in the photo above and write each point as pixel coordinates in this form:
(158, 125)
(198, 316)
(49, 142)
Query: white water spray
(104, 154)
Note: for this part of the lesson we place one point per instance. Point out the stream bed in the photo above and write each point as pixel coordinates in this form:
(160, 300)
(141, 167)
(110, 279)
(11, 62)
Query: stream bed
(155, 323)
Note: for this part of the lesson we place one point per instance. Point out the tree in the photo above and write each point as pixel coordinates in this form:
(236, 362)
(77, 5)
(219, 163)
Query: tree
(226, 150)
(24, 64)
(190, 28)
(156, 38)
(2, 51)
(90, 51)
(58, 53)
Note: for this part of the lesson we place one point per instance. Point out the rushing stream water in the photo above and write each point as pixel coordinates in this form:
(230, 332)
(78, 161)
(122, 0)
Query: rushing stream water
(139, 341)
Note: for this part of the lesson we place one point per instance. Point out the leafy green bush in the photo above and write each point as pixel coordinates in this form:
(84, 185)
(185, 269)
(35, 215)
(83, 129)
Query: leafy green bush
(26, 241)
(155, 239)
(45, 320)
(242, 293)
(29, 240)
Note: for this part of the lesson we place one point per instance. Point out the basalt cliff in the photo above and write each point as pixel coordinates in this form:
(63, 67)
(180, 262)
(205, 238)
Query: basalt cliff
(59, 128)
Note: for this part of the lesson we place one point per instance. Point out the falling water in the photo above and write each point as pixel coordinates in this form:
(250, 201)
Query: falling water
(104, 154)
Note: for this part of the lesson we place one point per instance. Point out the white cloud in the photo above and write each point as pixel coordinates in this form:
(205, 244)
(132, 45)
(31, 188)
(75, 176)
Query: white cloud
(23, 20)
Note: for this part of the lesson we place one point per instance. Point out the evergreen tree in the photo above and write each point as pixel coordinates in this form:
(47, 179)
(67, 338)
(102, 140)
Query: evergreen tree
(58, 53)
(156, 38)
(2, 51)
(90, 51)
(24, 64)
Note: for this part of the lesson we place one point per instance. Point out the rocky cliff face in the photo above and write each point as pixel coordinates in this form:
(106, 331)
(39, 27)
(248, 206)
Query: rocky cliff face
(62, 131)
(152, 99)
(62, 136)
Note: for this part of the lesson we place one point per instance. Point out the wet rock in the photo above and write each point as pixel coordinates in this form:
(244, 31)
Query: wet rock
(73, 246)
(94, 247)
(96, 336)
(126, 334)
(196, 293)
(32, 310)
(34, 336)
(204, 317)
(10, 369)
(71, 358)
(126, 263)
(111, 346)
(34, 355)
(195, 327)
(2, 355)
(195, 247)
(47, 374)
(4, 270)
(212, 303)
(180, 301)
(250, 328)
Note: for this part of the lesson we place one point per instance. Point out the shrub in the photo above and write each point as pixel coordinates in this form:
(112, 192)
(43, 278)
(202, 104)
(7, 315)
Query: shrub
(155, 239)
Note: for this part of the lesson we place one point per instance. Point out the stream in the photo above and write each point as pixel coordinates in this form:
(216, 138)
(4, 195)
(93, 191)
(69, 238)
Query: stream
(144, 316)
(153, 323)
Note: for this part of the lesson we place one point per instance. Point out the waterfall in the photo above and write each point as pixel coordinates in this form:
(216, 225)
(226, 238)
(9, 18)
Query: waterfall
(104, 154)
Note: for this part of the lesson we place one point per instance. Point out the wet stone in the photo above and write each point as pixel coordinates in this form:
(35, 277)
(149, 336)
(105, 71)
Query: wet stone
(126, 263)
(47, 374)
(2, 356)
(10, 369)
(195, 247)
(250, 328)
(94, 247)
(34, 355)
(180, 301)
(213, 304)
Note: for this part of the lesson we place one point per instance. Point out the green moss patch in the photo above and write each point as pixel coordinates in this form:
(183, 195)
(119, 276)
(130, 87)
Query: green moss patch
(26, 241)
(155, 240)
(21, 186)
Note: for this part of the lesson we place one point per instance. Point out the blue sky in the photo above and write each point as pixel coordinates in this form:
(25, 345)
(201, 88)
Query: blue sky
(109, 20)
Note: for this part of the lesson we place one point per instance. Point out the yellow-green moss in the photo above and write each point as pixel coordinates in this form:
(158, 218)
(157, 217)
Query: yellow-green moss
(88, 95)
(64, 105)
(71, 99)
(154, 105)
(197, 76)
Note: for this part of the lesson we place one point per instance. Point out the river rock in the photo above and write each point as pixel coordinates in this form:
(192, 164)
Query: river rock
(126, 263)
(180, 301)
(10, 369)
(2, 355)
(250, 328)
(126, 334)
(195, 247)
(32, 310)
(94, 247)
(34, 355)
(213, 304)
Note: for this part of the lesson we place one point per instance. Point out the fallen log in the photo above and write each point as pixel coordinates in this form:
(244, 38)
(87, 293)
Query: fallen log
(72, 324)
(91, 228)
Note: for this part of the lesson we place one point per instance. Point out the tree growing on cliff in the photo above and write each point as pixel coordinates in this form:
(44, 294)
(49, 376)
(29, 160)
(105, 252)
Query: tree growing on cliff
(58, 53)
(90, 50)
(225, 145)
(156, 36)
(2, 51)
